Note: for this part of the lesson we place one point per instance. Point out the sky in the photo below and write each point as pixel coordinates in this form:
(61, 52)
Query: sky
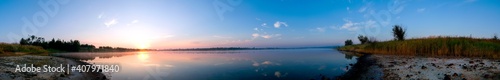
(163, 24)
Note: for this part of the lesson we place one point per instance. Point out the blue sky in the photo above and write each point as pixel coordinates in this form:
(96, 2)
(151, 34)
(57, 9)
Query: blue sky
(242, 23)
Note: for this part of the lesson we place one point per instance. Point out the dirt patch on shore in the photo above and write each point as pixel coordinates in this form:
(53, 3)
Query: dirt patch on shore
(410, 67)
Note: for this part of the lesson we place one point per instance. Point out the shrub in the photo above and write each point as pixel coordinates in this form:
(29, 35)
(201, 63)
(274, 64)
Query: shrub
(348, 42)
(362, 39)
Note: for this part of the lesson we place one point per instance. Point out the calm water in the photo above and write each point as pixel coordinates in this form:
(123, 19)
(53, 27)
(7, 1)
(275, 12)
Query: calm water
(216, 65)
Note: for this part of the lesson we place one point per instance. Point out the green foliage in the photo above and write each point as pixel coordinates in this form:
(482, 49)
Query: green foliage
(348, 42)
(362, 39)
(441, 46)
(398, 33)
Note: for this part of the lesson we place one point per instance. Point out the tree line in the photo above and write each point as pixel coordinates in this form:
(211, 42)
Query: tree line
(61, 45)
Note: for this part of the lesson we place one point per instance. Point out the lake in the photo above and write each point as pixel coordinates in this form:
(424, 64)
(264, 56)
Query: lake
(222, 65)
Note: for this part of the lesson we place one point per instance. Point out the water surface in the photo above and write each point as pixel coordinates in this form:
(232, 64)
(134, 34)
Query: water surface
(227, 65)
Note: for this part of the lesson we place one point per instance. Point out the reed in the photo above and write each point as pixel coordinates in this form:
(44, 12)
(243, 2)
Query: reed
(433, 46)
(6, 49)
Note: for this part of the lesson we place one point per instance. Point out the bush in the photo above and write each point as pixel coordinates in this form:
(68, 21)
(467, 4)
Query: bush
(362, 39)
(348, 42)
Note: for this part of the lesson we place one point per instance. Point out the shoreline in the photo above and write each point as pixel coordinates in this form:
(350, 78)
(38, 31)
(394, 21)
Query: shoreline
(9, 63)
(363, 69)
(381, 67)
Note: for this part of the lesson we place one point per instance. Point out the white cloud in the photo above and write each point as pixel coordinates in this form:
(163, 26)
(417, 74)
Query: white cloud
(255, 35)
(111, 22)
(266, 36)
(421, 10)
(267, 62)
(135, 21)
(349, 26)
(278, 24)
(270, 36)
(353, 26)
(263, 25)
(255, 64)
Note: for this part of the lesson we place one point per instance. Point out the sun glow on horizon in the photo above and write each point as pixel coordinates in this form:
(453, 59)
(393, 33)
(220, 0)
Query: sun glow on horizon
(143, 56)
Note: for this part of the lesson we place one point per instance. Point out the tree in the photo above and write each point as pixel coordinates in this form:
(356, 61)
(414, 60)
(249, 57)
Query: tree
(495, 37)
(398, 32)
(348, 42)
(362, 39)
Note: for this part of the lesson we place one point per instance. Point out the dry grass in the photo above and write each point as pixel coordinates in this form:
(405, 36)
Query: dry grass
(16, 49)
(435, 46)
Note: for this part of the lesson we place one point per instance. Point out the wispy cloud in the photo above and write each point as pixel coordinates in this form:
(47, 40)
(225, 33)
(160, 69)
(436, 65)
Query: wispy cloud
(135, 21)
(263, 24)
(465, 2)
(270, 36)
(111, 23)
(353, 26)
(362, 9)
(217, 36)
(278, 24)
(350, 26)
(318, 29)
(420, 10)
(100, 16)
(255, 35)
(257, 29)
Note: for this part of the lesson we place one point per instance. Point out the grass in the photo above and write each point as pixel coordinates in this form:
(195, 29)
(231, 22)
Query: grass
(16, 49)
(438, 46)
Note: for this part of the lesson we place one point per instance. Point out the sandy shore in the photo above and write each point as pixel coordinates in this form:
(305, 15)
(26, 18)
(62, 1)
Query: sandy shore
(8, 66)
(390, 67)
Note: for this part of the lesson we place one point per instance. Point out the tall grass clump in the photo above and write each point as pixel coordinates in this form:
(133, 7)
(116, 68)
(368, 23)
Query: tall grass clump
(16, 48)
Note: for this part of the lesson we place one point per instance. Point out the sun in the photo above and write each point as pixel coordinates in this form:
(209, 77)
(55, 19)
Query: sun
(143, 45)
